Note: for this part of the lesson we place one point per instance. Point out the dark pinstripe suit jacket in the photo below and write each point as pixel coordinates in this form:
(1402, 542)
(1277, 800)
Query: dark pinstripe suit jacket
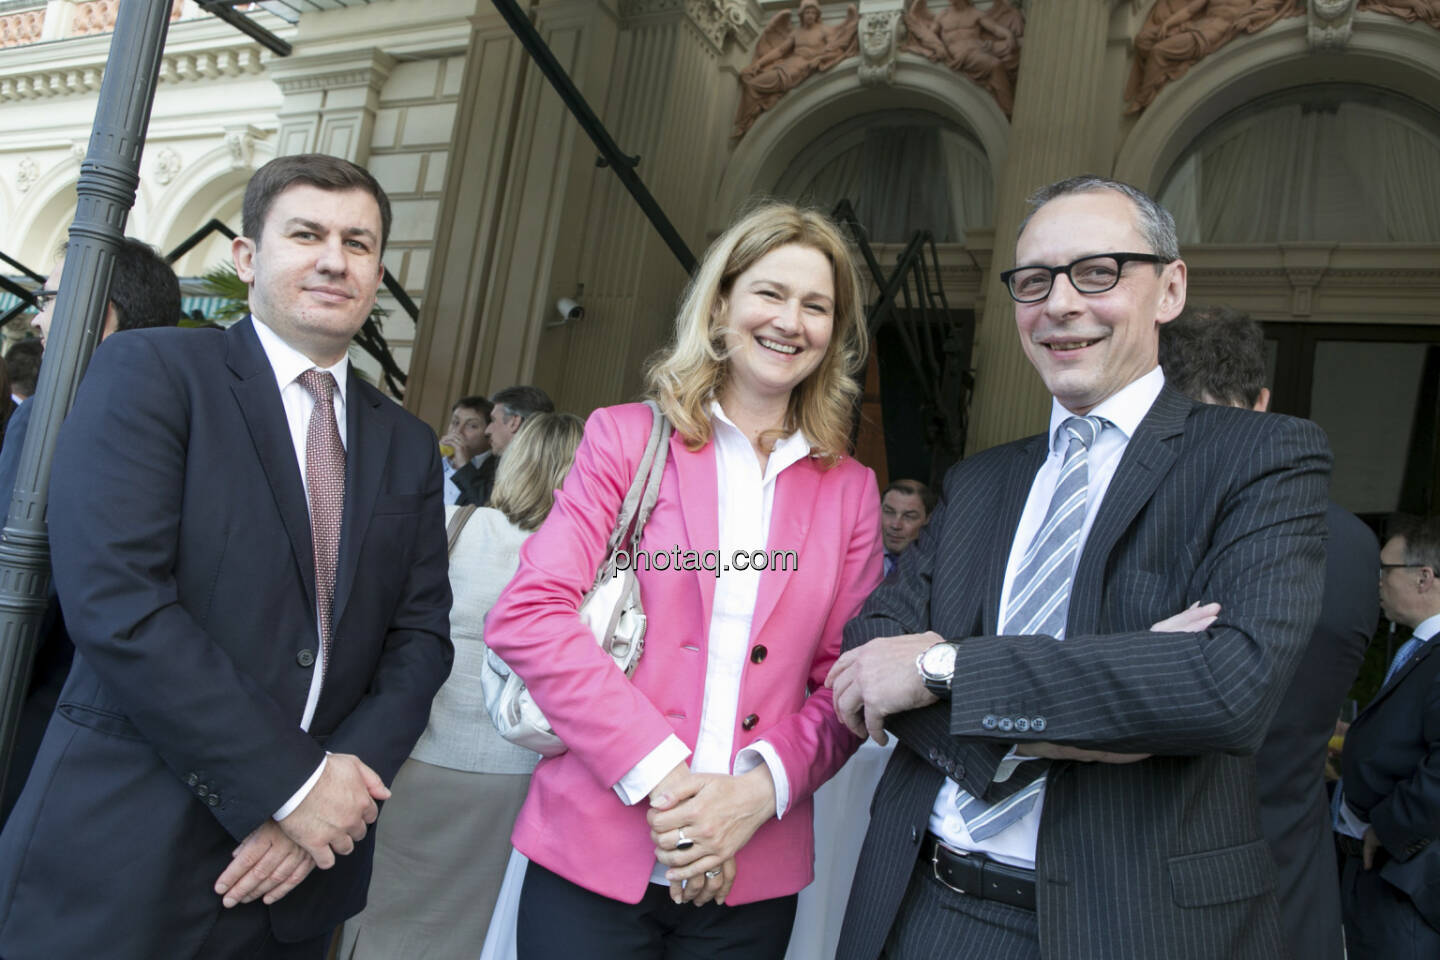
(1157, 859)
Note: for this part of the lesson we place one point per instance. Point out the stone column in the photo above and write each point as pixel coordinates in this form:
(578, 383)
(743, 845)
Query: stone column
(330, 102)
(1061, 126)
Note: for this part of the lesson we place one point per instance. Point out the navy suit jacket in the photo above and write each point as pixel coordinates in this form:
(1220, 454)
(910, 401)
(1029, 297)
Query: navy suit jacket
(182, 555)
(1158, 858)
(1391, 771)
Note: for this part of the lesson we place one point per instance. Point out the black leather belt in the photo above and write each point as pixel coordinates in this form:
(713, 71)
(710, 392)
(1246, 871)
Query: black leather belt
(976, 875)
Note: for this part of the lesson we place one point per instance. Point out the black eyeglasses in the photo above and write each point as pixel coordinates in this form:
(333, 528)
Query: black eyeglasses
(43, 298)
(1093, 274)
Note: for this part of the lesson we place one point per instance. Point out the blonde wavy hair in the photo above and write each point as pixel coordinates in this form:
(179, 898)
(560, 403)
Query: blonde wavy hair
(534, 466)
(695, 367)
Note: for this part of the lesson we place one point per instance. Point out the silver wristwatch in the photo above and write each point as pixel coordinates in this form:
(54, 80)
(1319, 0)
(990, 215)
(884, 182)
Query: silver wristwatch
(937, 668)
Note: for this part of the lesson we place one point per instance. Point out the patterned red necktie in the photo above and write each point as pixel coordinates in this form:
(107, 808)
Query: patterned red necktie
(325, 484)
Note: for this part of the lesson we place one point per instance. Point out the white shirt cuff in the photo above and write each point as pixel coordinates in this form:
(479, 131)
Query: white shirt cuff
(647, 774)
(751, 757)
(1009, 764)
(299, 796)
(1349, 822)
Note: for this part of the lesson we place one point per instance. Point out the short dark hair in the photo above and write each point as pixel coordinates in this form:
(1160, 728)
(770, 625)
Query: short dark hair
(1422, 539)
(524, 401)
(1214, 354)
(22, 363)
(474, 403)
(316, 169)
(913, 488)
(143, 288)
(1153, 221)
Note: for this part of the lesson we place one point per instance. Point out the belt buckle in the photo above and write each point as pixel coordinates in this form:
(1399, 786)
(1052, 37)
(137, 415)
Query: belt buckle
(935, 869)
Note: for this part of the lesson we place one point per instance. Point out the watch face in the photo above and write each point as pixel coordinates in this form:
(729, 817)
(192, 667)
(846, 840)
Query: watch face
(939, 661)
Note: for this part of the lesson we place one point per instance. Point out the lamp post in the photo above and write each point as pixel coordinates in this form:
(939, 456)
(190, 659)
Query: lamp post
(109, 176)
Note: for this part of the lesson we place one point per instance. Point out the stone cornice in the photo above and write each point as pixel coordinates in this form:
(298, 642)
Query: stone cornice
(79, 77)
(714, 20)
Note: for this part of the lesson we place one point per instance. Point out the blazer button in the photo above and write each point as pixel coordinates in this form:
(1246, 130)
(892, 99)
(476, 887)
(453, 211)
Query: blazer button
(306, 658)
(959, 771)
(749, 722)
(202, 790)
(934, 755)
(1005, 724)
(213, 800)
(191, 779)
(988, 721)
(1022, 724)
(1037, 724)
(758, 654)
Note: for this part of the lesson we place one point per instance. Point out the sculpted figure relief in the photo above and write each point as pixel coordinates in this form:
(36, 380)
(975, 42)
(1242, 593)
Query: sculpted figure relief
(786, 55)
(1178, 33)
(968, 41)
(1426, 11)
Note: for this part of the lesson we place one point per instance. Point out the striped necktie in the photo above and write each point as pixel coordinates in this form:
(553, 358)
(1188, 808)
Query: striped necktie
(1039, 602)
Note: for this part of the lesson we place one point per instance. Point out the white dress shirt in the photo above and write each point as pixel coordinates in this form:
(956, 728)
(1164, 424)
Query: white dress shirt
(745, 498)
(1015, 844)
(288, 363)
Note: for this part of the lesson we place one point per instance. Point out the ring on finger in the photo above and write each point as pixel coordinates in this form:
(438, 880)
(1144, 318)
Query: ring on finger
(684, 843)
(712, 874)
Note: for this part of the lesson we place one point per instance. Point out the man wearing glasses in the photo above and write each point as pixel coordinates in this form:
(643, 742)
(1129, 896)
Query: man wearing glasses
(1390, 811)
(1090, 642)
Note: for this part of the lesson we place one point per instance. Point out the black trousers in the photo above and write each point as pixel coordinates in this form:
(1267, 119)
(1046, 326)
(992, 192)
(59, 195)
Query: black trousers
(560, 920)
(935, 921)
(1380, 921)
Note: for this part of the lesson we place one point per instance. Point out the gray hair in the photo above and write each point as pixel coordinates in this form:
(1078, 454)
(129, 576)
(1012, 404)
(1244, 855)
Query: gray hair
(1422, 540)
(1153, 221)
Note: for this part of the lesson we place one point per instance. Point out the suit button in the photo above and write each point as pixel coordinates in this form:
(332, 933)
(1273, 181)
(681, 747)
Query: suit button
(202, 790)
(191, 779)
(306, 658)
(1037, 724)
(934, 755)
(749, 722)
(959, 771)
(758, 654)
(1022, 724)
(988, 721)
(213, 800)
(1005, 724)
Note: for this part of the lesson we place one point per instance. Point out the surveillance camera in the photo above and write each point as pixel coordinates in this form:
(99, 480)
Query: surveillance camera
(569, 309)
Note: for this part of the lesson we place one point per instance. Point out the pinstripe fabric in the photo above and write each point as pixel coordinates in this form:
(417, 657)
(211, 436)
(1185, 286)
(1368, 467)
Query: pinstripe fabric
(935, 918)
(1161, 858)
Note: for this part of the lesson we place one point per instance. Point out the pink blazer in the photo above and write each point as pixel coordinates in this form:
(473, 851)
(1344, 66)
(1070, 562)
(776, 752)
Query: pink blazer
(573, 823)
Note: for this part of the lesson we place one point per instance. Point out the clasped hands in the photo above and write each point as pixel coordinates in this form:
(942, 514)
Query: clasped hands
(333, 817)
(699, 821)
(879, 678)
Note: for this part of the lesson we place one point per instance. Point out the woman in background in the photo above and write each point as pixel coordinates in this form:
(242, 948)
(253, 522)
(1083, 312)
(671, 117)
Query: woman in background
(689, 784)
(441, 853)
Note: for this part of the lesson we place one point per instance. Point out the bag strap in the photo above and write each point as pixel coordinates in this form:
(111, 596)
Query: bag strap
(644, 490)
(456, 524)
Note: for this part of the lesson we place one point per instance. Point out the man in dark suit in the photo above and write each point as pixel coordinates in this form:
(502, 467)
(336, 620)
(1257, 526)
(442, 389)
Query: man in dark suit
(143, 293)
(510, 408)
(1389, 814)
(1073, 778)
(1217, 355)
(252, 566)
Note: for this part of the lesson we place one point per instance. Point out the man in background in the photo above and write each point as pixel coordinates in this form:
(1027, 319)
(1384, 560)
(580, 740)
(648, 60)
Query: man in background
(511, 408)
(1217, 355)
(905, 507)
(467, 443)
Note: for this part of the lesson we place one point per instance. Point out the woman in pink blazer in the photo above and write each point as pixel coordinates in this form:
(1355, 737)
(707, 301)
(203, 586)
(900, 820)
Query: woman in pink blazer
(689, 785)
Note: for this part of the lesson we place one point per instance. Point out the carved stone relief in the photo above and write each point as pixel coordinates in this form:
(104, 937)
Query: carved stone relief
(982, 45)
(167, 165)
(880, 36)
(20, 28)
(26, 175)
(1180, 33)
(786, 55)
(1330, 22)
(1423, 11)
